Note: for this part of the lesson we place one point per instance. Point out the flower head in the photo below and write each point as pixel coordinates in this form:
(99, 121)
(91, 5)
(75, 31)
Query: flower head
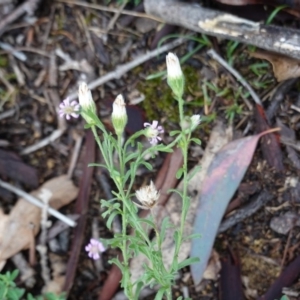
(86, 102)
(173, 66)
(119, 115)
(152, 131)
(195, 121)
(175, 76)
(69, 109)
(94, 248)
(148, 196)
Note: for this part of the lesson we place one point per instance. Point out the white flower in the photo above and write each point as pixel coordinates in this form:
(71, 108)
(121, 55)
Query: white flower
(148, 196)
(119, 110)
(175, 76)
(85, 97)
(173, 66)
(195, 121)
(119, 115)
(87, 103)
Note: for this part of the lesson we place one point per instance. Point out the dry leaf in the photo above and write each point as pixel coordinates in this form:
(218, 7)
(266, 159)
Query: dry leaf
(213, 267)
(24, 219)
(283, 67)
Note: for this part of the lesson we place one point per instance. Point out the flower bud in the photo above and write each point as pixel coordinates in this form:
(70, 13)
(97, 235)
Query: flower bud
(190, 123)
(119, 115)
(86, 102)
(195, 121)
(175, 76)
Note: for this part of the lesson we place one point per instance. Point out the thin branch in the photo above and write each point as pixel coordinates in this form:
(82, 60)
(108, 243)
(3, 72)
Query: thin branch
(33, 200)
(123, 69)
(195, 17)
(109, 9)
(235, 73)
(27, 7)
(44, 142)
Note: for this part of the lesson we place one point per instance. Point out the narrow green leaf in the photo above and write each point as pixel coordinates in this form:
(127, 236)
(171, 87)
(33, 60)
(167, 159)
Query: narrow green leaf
(110, 219)
(159, 294)
(179, 173)
(187, 262)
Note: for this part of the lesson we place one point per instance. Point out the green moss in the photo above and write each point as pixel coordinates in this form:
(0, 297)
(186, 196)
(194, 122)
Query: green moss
(159, 102)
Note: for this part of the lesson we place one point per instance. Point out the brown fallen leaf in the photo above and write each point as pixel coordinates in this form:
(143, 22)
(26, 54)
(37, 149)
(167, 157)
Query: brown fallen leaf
(24, 218)
(283, 67)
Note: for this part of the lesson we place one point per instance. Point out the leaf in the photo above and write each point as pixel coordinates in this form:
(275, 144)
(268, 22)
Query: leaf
(24, 220)
(270, 146)
(222, 180)
(283, 67)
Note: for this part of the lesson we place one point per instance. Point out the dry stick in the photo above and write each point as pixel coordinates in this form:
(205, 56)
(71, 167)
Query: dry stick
(27, 7)
(33, 200)
(75, 154)
(45, 196)
(197, 18)
(235, 73)
(44, 142)
(246, 211)
(123, 69)
(115, 17)
(109, 9)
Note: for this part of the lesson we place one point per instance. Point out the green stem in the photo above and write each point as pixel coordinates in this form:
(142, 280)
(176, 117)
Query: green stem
(94, 130)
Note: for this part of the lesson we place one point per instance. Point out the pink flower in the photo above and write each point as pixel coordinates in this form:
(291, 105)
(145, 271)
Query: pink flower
(152, 132)
(94, 248)
(70, 109)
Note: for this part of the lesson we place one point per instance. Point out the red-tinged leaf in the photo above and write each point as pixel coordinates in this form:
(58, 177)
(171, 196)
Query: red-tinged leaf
(223, 178)
(270, 145)
(12, 166)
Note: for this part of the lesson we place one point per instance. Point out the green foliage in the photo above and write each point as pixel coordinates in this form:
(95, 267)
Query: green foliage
(120, 2)
(9, 290)
(274, 13)
(123, 174)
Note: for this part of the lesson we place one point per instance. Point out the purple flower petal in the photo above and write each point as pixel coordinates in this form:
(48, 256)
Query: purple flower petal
(94, 248)
(154, 124)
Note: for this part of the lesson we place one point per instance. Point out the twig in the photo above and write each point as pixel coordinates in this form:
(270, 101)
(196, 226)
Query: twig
(195, 17)
(78, 141)
(45, 196)
(33, 200)
(44, 142)
(286, 248)
(27, 272)
(123, 69)
(109, 9)
(115, 17)
(246, 211)
(236, 74)
(27, 7)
